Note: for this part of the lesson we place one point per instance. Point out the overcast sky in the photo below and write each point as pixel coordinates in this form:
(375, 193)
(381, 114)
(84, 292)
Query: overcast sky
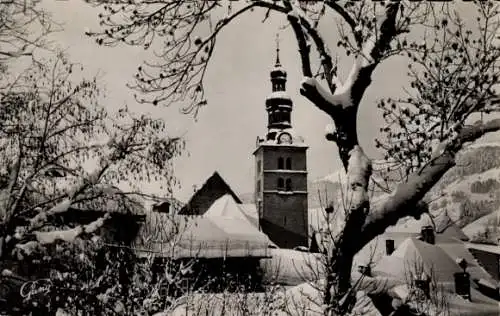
(237, 82)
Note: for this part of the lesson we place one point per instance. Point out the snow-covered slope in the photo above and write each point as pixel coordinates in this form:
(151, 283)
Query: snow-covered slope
(472, 188)
(485, 228)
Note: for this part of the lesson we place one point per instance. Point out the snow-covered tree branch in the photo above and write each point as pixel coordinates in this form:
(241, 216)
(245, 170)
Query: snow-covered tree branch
(52, 125)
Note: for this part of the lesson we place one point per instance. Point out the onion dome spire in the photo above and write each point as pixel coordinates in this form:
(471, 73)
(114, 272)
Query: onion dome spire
(278, 103)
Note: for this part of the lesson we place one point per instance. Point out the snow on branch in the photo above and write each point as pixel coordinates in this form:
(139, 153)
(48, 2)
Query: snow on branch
(41, 217)
(372, 52)
(301, 22)
(320, 97)
(72, 194)
(356, 202)
(408, 197)
(350, 93)
(66, 235)
(359, 172)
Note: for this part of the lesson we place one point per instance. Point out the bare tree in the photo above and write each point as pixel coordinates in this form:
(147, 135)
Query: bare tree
(24, 27)
(51, 126)
(452, 68)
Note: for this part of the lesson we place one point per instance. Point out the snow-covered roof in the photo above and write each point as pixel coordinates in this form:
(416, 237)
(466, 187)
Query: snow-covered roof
(456, 249)
(226, 206)
(215, 180)
(292, 267)
(251, 212)
(375, 249)
(445, 226)
(221, 236)
(223, 231)
(307, 299)
(481, 224)
(414, 256)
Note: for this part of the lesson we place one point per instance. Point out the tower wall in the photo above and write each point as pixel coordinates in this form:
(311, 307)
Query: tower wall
(285, 219)
(283, 214)
(273, 153)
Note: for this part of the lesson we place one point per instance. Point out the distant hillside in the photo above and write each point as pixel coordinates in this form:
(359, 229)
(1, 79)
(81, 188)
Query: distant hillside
(472, 188)
(485, 229)
(323, 191)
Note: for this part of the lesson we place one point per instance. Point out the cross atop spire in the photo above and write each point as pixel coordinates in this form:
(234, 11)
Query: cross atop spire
(277, 50)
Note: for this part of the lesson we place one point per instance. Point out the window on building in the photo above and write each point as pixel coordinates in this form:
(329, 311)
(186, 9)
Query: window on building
(280, 116)
(286, 117)
(281, 163)
(281, 184)
(258, 166)
(289, 184)
(258, 188)
(288, 163)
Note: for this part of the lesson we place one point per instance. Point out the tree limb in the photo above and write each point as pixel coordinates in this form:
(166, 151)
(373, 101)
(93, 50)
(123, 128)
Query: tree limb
(343, 13)
(372, 53)
(304, 48)
(350, 93)
(299, 20)
(407, 198)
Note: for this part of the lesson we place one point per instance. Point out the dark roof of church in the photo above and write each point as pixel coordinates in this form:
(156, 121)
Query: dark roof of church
(214, 181)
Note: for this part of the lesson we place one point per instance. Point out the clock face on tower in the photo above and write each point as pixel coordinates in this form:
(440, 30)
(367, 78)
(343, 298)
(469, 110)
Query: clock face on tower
(285, 138)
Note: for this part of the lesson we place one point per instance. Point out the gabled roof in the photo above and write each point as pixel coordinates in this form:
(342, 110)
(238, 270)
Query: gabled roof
(251, 212)
(223, 231)
(207, 191)
(415, 256)
(221, 236)
(226, 206)
(457, 249)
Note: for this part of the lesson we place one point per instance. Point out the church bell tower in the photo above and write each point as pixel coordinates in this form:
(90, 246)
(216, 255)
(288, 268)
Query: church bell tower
(281, 170)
